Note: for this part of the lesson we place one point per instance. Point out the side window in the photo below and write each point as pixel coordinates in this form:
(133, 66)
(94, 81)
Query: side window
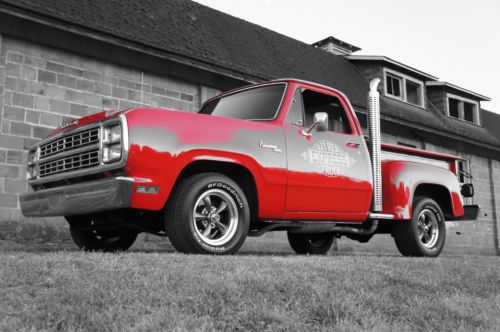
(318, 102)
(295, 115)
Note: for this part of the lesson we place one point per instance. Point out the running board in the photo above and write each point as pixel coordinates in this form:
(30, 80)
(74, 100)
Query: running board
(378, 216)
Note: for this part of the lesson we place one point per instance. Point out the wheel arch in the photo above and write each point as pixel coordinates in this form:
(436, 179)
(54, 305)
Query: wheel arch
(237, 172)
(439, 193)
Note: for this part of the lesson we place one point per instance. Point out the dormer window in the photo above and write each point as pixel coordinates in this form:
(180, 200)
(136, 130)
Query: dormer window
(393, 85)
(404, 88)
(462, 108)
(413, 92)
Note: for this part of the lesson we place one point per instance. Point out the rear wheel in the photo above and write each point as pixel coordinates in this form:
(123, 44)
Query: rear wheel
(424, 235)
(313, 244)
(96, 233)
(207, 213)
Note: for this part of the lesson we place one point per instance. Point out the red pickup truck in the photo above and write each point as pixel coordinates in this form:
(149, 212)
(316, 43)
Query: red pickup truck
(285, 155)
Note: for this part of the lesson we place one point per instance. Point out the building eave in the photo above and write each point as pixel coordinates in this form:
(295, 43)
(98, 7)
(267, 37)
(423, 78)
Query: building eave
(457, 88)
(425, 129)
(392, 62)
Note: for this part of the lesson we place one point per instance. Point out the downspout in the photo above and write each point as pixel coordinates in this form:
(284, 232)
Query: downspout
(494, 211)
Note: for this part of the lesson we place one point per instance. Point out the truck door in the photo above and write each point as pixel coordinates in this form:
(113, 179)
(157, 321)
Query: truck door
(328, 172)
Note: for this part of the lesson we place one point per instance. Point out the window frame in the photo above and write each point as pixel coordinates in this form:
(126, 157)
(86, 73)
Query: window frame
(403, 78)
(461, 114)
(400, 80)
(251, 87)
(342, 104)
(302, 124)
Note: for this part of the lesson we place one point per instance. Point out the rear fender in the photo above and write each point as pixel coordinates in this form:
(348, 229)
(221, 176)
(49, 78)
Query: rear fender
(401, 179)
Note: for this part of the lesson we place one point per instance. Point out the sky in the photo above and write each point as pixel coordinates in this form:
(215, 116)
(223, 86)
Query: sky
(457, 41)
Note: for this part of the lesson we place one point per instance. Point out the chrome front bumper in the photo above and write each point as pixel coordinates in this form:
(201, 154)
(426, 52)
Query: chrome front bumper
(84, 198)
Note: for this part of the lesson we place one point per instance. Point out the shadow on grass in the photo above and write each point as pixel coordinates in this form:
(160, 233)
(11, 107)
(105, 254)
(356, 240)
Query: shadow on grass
(33, 247)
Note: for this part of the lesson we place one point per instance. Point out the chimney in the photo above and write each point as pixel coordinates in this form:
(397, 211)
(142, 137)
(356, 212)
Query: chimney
(336, 46)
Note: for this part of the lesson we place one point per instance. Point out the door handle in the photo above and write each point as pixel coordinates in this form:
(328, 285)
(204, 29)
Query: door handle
(353, 145)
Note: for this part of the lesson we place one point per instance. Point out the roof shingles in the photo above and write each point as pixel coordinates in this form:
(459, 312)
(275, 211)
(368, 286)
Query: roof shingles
(192, 30)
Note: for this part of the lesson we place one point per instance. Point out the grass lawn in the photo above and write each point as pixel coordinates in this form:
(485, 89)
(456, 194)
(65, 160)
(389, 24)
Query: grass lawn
(69, 290)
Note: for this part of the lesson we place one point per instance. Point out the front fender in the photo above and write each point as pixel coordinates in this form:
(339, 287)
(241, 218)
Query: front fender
(163, 143)
(400, 179)
(270, 182)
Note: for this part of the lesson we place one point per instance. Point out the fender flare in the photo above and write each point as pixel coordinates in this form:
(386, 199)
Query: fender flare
(402, 178)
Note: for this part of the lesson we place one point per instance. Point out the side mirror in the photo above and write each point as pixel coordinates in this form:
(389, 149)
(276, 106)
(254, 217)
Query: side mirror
(320, 123)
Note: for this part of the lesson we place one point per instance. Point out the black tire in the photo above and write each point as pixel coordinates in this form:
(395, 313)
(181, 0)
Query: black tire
(210, 231)
(87, 234)
(312, 244)
(425, 234)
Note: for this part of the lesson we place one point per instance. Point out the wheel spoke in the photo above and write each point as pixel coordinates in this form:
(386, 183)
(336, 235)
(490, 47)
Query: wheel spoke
(207, 230)
(199, 216)
(212, 233)
(222, 207)
(222, 228)
(208, 203)
(426, 236)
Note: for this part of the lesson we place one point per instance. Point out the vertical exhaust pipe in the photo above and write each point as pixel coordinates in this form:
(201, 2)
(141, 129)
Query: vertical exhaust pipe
(374, 143)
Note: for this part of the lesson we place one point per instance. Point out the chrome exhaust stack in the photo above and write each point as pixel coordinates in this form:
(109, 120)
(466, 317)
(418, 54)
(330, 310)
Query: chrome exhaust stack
(375, 143)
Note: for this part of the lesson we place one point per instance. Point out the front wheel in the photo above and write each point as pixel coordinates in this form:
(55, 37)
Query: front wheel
(96, 233)
(424, 235)
(207, 214)
(312, 244)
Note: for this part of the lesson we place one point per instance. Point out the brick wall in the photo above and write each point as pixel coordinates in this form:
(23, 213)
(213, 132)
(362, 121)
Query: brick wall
(42, 87)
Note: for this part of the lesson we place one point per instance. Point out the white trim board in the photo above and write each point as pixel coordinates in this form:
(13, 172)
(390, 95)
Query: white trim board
(389, 60)
(452, 86)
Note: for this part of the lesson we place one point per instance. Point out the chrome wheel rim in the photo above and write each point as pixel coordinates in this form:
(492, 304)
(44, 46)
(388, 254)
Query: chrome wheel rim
(428, 228)
(215, 217)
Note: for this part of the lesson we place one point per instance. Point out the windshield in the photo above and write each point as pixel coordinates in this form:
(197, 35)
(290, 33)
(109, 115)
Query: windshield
(260, 103)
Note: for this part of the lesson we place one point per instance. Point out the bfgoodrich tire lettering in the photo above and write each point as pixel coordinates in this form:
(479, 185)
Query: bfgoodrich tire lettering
(425, 233)
(207, 213)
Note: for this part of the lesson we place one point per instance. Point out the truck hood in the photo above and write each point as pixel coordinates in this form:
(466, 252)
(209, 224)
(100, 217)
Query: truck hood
(195, 128)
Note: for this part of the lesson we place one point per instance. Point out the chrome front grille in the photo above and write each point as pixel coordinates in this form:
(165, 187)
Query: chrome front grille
(70, 163)
(70, 142)
(89, 149)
